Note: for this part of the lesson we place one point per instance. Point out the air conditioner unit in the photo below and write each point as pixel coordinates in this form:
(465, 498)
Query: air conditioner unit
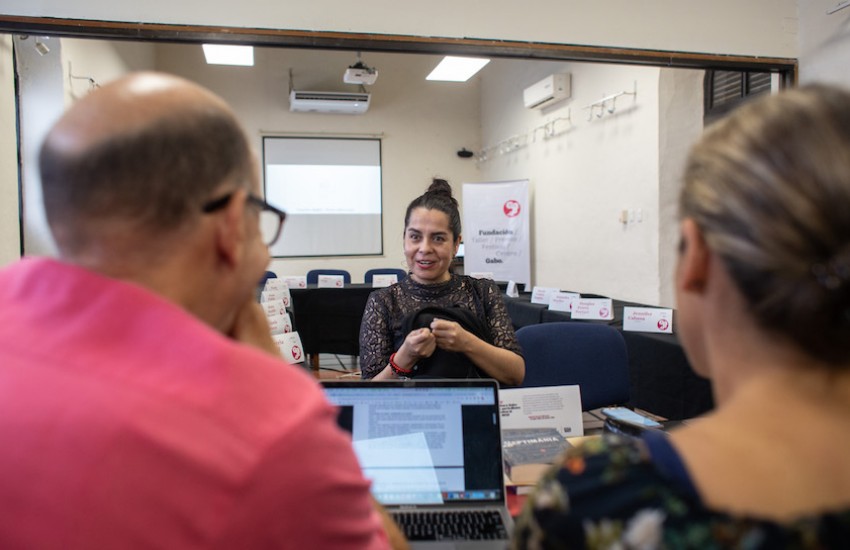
(554, 87)
(329, 102)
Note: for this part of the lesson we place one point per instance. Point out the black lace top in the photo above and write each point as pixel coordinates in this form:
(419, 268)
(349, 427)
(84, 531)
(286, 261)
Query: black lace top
(387, 308)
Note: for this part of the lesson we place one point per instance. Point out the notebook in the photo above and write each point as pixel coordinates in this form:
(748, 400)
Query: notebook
(433, 451)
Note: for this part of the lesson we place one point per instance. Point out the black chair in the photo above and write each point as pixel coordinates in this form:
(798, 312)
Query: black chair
(313, 275)
(594, 356)
(370, 274)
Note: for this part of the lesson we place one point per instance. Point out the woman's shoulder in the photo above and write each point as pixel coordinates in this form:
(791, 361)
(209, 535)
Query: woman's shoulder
(482, 286)
(611, 491)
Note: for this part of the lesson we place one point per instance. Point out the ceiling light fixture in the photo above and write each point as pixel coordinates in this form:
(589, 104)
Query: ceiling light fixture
(221, 54)
(457, 69)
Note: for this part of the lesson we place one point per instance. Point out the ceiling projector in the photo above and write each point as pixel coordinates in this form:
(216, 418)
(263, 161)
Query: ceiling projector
(360, 74)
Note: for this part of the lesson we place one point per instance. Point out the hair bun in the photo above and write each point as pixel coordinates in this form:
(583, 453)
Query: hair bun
(440, 187)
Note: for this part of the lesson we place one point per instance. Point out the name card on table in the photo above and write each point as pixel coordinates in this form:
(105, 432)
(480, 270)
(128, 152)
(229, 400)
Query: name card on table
(598, 309)
(648, 319)
(512, 291)
(564, 301)
(331, 281)
(543, 294)
(557, 407)
(483, 275)
(275, 284)
(384, 280)
(295, 281)
(273, 307)
(290, 346)
(280, 324)
(275, 295)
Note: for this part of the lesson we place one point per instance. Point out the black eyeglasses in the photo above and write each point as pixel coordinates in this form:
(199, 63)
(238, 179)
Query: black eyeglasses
(271, 218)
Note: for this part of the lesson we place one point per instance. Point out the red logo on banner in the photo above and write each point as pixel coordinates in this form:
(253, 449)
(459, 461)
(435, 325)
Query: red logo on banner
(512, 208)
(663, 324)
(603, 312)
(296, 352)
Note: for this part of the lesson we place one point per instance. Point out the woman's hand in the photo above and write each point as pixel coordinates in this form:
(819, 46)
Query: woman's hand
(450, 336)
(418, 344)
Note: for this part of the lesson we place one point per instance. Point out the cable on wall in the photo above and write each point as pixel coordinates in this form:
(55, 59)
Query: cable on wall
(608, 104)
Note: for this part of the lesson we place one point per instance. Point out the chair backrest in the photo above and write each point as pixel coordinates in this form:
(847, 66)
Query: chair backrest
(370, 274)
(594, 356)
(313, 275)
(266, 276)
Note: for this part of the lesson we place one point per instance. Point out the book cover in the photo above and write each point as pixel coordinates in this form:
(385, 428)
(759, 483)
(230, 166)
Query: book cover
(528, 453)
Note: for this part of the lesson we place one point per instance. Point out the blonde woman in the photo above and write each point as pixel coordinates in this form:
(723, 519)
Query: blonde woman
(763, 296)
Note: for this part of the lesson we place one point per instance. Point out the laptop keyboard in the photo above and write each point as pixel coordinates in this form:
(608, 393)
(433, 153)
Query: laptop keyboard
(451, 525)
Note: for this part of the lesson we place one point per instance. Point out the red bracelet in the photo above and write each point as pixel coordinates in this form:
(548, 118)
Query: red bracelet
(396, 369)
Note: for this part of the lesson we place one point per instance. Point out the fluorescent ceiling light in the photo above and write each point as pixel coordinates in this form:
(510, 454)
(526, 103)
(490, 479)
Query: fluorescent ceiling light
(457, 69)
(219, 54)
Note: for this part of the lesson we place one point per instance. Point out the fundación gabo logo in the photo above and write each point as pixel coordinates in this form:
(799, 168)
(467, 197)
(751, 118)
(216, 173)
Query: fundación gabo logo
(512, 208)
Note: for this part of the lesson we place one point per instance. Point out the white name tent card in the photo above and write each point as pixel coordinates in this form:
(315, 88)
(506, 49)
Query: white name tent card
(556, 407)
(648, 319)
(599, 309)
(290, 346)
(512, 291)
(563, 301)
(280, 324)
(275, 284)
(295, 281)
(543, 294)
(483, 275)
(331, 281)
(384, 280)
(274, 307)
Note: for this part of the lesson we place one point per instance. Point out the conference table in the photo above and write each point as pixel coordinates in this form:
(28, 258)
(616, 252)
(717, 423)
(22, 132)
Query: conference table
(328, 319)
(661, 379)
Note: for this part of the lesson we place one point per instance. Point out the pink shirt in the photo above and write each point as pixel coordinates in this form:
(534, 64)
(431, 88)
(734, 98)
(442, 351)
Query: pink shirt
(125, 422)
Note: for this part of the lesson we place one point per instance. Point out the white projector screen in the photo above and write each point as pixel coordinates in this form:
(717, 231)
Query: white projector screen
(330, 189)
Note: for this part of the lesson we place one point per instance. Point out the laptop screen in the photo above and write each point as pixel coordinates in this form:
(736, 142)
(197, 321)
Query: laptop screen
(424, 442)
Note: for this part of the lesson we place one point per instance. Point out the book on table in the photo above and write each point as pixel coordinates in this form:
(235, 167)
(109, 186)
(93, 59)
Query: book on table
(529, 452)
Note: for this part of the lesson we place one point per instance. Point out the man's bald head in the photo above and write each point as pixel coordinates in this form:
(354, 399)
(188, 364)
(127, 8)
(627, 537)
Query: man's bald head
(141, 154)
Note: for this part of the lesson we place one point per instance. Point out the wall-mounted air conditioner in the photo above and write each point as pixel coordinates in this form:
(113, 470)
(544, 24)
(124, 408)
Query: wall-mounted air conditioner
(329, 102)
(554, 87)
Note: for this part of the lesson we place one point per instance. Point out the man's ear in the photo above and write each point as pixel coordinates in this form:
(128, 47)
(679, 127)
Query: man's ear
(694, 258)
(230, 228)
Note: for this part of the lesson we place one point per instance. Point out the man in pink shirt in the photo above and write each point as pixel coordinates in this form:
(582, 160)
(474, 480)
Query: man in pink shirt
(143, 402)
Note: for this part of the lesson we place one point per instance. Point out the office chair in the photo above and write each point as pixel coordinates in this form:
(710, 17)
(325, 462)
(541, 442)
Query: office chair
(313, 275)
(268, 275)
(400, 273)
(594, 356)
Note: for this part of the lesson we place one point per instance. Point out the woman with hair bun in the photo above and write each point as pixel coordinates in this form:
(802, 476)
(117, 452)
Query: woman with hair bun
(434, 323)
(763, 297)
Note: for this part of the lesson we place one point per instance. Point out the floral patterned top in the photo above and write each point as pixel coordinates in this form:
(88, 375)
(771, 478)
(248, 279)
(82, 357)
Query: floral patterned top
(387, 308)
(626, 493)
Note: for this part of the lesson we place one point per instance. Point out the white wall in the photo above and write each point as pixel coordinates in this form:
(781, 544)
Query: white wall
(582, 178)
(680, 123)
(754, 27)
(423, 123)
(47, 87)
(824, 43)
(41, 103)
(9, 219)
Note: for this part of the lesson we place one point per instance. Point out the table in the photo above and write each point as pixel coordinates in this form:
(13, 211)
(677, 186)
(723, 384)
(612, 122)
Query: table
(328, 319)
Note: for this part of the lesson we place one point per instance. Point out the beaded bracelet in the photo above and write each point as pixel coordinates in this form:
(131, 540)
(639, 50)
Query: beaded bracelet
(396, 369)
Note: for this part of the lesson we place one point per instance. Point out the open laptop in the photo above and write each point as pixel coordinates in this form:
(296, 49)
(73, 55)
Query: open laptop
(433, 450)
